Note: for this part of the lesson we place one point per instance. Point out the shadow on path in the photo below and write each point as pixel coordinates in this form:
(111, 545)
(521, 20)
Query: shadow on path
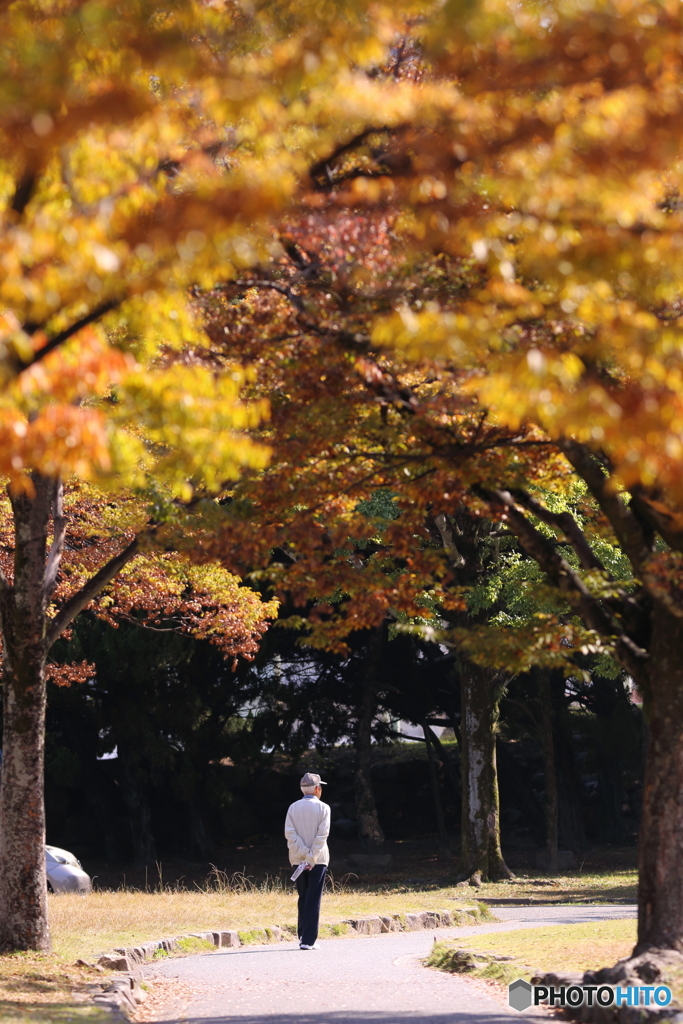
(358, 1017)
(251, 952)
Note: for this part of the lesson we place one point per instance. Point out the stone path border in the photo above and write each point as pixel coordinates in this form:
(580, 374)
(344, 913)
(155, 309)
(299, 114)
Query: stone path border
(121, 995)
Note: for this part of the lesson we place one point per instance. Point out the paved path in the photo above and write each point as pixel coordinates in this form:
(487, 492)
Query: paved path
(369, 980)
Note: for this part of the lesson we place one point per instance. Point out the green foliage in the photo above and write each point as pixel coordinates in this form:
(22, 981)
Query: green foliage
(339, 929)
(444, 956)
(475, 911)
(194, 944)
(254, 936)
(380, 505)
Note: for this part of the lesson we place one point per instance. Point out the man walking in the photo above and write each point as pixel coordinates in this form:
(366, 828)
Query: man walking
(307, 827)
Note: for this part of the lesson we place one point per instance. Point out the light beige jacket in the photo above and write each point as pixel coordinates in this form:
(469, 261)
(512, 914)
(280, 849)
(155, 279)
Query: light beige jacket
(307, 827)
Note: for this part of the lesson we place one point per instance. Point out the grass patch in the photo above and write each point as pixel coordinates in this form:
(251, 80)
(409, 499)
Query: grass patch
(572, 887)
(38, 987)
(51, 1013)
(522, 953)
(253, 937)
(477, 913)
(567, 947)
(505, 956)
(106, 920)
(193, 944)
(502, 973)
(334, 931)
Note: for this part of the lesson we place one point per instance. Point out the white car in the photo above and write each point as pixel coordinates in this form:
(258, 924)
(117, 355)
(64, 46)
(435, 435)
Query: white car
(64, 872)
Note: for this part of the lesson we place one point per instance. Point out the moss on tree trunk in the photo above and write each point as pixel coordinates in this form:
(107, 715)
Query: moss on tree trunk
(481, 856)
(23, 884)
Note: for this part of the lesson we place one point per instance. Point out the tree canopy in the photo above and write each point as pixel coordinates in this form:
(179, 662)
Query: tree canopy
(441, 243)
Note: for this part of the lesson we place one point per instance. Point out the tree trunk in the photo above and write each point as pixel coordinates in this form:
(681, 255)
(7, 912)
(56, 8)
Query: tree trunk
(135, 779)
(481, 857)
(451, 768)
(551, 816)
(27, 634)
(616, 733)
(369, 828)
(660, 885)
(201, 842)
(518, 786)
(571, 829)
(23, 884)
(438, 806)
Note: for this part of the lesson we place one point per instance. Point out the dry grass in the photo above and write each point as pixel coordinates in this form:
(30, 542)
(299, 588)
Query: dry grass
(564, 947)
(576, 887)
(82, 927)
(557, 948)
(36, 989)
(51, 1013)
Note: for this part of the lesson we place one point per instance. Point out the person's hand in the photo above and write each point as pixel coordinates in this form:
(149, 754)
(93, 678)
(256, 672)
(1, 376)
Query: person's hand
(310, 861)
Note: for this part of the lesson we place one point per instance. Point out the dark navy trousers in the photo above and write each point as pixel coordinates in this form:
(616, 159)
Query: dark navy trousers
(309, 885)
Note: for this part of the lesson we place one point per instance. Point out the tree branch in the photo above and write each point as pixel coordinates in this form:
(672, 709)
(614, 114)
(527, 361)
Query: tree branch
(54, 558)
(384, 384)
(565, 522)
(281, 289)
(23, 191)
(630, 655)
(668, 524)
(143, 625)
(89, 591)
(449, 545)
(321, 168)
(625, 525)
(357, 341)
(58, 339)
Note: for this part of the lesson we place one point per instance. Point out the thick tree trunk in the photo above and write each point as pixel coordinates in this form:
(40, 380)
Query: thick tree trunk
(660, 885)
(369, 828)
(27, 634)
(481, 857)
(551, 816)
(23, 885)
